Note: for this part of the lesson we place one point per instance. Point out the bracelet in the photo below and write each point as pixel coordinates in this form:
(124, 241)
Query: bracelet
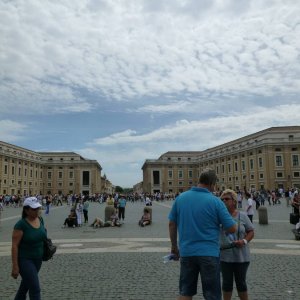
(245, 241)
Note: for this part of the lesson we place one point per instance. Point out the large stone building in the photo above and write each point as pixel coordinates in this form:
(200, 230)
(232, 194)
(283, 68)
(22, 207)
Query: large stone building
(27, 172)
(267, 159)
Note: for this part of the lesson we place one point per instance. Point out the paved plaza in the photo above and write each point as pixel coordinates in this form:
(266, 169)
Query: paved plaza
(126, 263)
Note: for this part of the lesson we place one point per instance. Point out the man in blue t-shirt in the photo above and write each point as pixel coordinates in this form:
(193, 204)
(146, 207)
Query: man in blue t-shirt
(197, 216)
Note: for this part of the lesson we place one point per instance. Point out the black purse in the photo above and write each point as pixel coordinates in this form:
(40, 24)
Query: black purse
(49, 249)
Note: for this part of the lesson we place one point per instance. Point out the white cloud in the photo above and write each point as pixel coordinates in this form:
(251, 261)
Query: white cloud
(11, 131)
(124, 50)
(221, 127)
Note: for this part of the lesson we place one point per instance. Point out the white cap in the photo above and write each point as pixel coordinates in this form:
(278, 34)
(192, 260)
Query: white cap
(32, 202)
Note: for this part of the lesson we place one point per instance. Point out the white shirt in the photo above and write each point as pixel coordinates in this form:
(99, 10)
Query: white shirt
(250, 210)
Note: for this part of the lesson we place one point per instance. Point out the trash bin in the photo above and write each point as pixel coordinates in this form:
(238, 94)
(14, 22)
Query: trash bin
(109, 210)
(262, 215)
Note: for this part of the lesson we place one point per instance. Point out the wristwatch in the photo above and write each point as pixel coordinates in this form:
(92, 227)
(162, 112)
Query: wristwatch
(245, 241)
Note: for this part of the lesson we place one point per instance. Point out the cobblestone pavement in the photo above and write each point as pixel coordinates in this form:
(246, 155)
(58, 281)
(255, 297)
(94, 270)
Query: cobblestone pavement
(126, 263)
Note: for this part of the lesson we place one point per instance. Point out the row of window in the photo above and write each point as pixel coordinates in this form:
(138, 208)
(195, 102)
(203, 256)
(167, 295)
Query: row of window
(261, 176)
(49, 184)
(278, 163)
(49, 175)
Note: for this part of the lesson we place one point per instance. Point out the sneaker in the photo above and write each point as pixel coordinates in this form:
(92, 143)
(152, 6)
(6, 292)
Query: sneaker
(64, 226)
(74, 226)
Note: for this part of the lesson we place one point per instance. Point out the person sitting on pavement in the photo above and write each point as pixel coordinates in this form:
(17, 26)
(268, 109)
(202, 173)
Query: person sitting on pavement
(97, 223)
(146, 218)
(113, 220)
(71, 220)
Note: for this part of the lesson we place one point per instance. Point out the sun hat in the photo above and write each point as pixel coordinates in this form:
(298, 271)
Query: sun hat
(32, 202)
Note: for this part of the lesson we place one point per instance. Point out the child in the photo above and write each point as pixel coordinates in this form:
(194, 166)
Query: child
(114, 219)
(146, 218)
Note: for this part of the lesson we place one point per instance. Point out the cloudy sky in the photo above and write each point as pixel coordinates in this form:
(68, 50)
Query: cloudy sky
(121, 81)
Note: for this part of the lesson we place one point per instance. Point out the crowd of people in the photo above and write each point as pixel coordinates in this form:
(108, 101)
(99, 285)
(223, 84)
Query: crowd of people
(213, 235)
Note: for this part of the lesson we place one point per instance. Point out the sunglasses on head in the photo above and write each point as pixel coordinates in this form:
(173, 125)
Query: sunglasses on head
(226, 199)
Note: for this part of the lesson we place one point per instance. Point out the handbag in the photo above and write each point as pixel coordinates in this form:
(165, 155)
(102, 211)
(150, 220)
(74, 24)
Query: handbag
(49, 249)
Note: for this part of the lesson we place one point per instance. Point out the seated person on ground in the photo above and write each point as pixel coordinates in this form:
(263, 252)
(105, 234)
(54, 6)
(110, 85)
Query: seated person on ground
(146, 218)
(71, 220)
(97, 223)
(113, 220)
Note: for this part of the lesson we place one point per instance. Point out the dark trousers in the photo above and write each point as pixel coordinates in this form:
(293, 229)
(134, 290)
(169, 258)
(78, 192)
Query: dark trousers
(29, 269)
(86, 217)
(238, 271)
(121, 213)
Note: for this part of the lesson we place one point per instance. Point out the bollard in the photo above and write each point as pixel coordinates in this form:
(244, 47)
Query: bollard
(262, 215)
(109, 210)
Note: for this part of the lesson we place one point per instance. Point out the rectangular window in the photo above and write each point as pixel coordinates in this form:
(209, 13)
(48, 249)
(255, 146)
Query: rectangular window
(261, 176)
(243, 165)
(12, 170)
(260, 162)
(60, 175)
(236, 166)
(217, 170)
(180, 183)
(170, 174)
(19, 172)
(170, 183)
(31, 173)
(279, 174)
(278, 159)
(190, 173)
(25, 172)
(71, 174)
(85, 177)
(223, 169)
(180, 174)
(295, 159)
(251, 164)
(5, 169)
(229, 168)
(296, 174)
(71, 184)
(49, 175)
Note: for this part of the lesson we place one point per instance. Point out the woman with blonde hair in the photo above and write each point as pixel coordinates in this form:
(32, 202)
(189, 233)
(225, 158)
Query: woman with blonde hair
(235, 252)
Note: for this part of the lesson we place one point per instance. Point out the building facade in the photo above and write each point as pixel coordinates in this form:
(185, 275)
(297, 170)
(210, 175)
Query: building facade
(268, 159)
(27, 172)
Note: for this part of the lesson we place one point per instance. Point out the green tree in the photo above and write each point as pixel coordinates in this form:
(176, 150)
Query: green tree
(119, 189)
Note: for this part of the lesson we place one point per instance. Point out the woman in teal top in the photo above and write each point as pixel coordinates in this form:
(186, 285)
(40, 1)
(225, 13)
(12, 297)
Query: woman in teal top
(27, 249)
